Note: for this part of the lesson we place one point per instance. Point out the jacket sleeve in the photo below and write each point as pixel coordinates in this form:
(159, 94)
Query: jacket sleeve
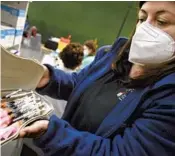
(61, 83)
(152, 134)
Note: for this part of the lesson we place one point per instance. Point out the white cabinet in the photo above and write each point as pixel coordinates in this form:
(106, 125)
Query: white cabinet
(13, 17)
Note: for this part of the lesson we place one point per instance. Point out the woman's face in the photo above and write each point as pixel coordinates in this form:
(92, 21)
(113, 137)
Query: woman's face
(159, 14)
(86, 50)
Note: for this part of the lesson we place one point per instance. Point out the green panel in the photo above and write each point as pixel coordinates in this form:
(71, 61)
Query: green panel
(83, 20)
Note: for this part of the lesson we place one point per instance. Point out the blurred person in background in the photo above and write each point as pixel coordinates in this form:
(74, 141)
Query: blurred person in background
(33, 31)
(89, 52)
(72, 57)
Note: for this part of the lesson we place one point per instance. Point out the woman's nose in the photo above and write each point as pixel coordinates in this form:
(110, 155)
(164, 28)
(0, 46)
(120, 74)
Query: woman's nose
(150, 21)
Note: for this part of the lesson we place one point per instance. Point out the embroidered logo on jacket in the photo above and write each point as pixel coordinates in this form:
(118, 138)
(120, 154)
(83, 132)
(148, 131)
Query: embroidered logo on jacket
(122, 95)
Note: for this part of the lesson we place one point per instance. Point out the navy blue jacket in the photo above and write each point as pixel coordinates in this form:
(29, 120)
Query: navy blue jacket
(143, 124)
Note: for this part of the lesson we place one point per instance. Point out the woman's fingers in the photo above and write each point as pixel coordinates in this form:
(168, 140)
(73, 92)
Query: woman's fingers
(34, 130)
(22, 134)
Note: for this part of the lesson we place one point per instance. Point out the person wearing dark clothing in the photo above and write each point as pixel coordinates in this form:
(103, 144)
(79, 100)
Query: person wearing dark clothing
(123, 103)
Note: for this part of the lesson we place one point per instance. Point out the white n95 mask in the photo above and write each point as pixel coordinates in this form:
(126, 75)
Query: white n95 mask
(86, 52)
(151, 46)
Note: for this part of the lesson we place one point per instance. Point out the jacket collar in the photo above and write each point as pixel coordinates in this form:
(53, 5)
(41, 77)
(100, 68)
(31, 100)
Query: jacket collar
(167, 80)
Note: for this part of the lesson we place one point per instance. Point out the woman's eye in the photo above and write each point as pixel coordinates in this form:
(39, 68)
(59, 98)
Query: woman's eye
(141, 20)
(161, 23)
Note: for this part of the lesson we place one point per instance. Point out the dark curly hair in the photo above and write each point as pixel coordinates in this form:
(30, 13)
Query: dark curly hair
(72, 55)
(91, 45)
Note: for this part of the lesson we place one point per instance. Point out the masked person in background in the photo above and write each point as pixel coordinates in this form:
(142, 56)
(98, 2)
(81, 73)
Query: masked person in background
(89, 53)
(124, 110)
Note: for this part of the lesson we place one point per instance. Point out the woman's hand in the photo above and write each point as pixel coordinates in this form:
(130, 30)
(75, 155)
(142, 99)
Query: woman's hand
(45, 78)
(35, 130)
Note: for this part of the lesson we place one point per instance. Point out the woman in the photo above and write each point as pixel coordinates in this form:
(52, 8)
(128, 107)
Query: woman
(89, 53)
(128, 110)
